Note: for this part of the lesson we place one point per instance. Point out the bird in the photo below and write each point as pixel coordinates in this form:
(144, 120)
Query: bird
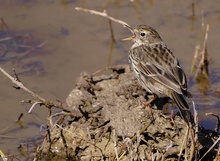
(157, 69)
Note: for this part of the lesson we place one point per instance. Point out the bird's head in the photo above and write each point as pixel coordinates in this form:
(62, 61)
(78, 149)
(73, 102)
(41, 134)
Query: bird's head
(143, 34)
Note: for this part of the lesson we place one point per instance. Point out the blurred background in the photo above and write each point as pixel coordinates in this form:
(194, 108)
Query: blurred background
(49, 44)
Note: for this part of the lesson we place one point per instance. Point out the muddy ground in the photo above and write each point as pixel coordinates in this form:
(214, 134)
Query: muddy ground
(106, 119)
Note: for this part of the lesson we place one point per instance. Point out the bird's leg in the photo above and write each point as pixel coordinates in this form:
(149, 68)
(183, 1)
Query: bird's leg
(172, 115)
(151, 100)
(172, 119)
(148, 103)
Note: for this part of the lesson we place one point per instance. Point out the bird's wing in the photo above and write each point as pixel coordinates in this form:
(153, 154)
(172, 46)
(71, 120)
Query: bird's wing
(158, 63)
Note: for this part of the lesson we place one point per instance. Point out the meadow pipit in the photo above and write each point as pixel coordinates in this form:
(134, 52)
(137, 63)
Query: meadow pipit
(157, 69)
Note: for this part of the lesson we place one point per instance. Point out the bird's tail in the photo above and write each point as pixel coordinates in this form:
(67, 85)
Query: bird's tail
(183, 107)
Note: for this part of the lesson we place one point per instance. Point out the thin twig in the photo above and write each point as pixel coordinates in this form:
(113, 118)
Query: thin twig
(210, 148)
(3, 156)
(41, 100)
(218, 121)
(196, 120)
(205, 53)
(203, 64)
(20, 116)
(103, 14)
(195, 58)
(183, 143)
(111, 31)
(19, 84)
(33, 105)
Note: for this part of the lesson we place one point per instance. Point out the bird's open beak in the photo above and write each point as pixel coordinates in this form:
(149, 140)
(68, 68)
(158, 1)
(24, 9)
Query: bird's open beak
(132, 30)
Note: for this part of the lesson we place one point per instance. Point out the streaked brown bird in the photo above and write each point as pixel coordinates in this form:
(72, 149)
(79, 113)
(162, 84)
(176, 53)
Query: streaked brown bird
(157, 69)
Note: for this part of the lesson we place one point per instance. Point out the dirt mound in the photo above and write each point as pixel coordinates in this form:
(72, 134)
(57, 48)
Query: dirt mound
(107, 120)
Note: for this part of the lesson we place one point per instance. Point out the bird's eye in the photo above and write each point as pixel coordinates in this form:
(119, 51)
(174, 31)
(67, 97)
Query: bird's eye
(143, 34)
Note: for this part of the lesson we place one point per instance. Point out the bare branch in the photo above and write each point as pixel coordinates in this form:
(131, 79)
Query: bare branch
(103, 14)
(33, 105)
(19, 84)
(40, 100)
